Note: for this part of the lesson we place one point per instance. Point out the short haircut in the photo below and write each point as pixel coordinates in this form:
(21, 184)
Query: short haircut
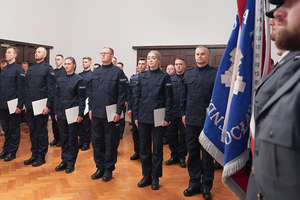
(180, 59)
(43, 49)
(111, 50)
(25, 63)
(202, 46)
(60, 56)
(3, 61)
(121, 64)
(97, 64)
(142, 58)
(16, 50)
(87, 58)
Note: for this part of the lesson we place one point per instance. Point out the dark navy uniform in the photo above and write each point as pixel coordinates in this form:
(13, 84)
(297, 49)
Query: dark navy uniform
(12, 85)
(177, 144)
(40, 85)
(154, 92)
(58, 73)
(85, 127)
(196, 93)
(133, 87)
(108, 87)
(70, 92)
(122, 121)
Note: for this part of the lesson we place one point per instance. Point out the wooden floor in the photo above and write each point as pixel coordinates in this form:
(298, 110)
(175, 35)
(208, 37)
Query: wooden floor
(18, 181)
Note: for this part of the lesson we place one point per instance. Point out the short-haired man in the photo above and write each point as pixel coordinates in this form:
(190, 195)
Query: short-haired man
(25, 66)
(176, 129)
(120, 65)
(170, 69)
(108, 87)
(3, 63)
(196, 93)
(114, 61)
(96, 65)
(12, 86)
(85, 129)
(59, 72)
(40, 85)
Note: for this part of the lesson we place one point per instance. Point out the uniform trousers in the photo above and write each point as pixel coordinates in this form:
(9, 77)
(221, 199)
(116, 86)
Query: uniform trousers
(135, 137)
(198, 168)
(105, 139)
(11, 128)
(151, 160)
(69, 141)
(55, 129)
(38, 133)
(85, 131)
(177, 142)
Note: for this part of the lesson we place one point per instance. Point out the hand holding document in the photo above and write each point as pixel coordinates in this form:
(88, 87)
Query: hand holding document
(72, 114)
(12, 105)
(111, 111)
(159, 116)
(38, 106)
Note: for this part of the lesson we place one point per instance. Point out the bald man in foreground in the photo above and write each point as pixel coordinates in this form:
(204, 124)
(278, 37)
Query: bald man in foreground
(40, 85)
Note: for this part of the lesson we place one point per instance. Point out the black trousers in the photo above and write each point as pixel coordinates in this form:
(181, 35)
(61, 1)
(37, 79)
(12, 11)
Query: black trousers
(176, 134)
(55, 129)
(69, 141)
(105, 138)
(85, 130)
(198, 168)
(38, 134)
(135, 137)
(151, 160)
(11, 128)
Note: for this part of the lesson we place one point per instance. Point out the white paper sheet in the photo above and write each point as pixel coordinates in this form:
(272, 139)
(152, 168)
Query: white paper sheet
(12, 105)
(38, 106)
(72, 114)
(111, 111)
(86, 110)
(159, 116)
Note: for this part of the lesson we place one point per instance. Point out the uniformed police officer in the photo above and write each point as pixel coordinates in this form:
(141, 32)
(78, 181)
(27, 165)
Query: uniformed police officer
(85, 128)
(12, 86)
(177, 141)
(40, 84)
(108, 87)
(70, 92)
(133, 85)
(196, 93)
(59, 72)
(154, 92)
(276, 155)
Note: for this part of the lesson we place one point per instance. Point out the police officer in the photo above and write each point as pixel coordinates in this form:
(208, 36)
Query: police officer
(59, 72)
(154, 92)
(40, 84)
(85, 128)
(70, 92)
(108, 87)
(197, 87)
(177, 144)
(132, 91)
(12, 86)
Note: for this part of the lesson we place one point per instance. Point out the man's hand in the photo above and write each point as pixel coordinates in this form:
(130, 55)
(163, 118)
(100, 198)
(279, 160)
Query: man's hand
(56, 118)
(165, 123)
(45, 111)
(136, 123)
(116, 118)
(183, 120)
(18, 110)
(129, 113)
(79, 119)
(90, 114)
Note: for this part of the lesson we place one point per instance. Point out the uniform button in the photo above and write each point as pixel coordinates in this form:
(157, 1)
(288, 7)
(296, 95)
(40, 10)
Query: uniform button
(271, 133)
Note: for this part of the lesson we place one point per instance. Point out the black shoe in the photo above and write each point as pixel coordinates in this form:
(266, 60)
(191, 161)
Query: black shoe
(146, 180)
(54, 142)
(107, 176)
(38, 162)
(206, 194)
(58, 144)
(172, 161)
(61, 166)
(29, 161)
(9, 157)
(165, 141)
(155, 184)
(217, 166)
(70, 169)
(98, 174)
(3, 154)
(191, 191)
(85, 147)
(135, 156)
(182, 163)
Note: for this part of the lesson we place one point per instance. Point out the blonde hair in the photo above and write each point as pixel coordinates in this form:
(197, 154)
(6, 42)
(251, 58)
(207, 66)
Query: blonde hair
(158, 56)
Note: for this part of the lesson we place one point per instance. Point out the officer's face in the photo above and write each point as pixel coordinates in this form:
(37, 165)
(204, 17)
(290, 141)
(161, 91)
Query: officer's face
(58, 61)
(142, 65)
(10, 55)
(25, 67)
(170, 69)
(180, 66)
(288, 32)
(40, 54)
(106, 56)
(114, 61)
(3, 65)
(86, 64)
(152, 61)
(202, 56)
(69, 66)
(272, 25)
(120, 66)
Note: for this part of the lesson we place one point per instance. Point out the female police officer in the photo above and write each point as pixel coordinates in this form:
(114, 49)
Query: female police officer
(70, 92)
(154, 92)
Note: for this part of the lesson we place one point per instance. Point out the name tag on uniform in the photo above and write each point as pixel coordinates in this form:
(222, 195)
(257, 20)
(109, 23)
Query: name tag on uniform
(159, 116)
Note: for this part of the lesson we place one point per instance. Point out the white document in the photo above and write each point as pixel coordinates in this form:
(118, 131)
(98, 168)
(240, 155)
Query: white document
(38, 106)
(159, 116)
(12, 105)
(86, 110)
(72, 114)
(111, 111)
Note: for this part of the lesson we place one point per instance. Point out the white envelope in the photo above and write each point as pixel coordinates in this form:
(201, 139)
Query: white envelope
(72, 114)
(38, 106)
(111, 111)
(159, 116)
(12, 105)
